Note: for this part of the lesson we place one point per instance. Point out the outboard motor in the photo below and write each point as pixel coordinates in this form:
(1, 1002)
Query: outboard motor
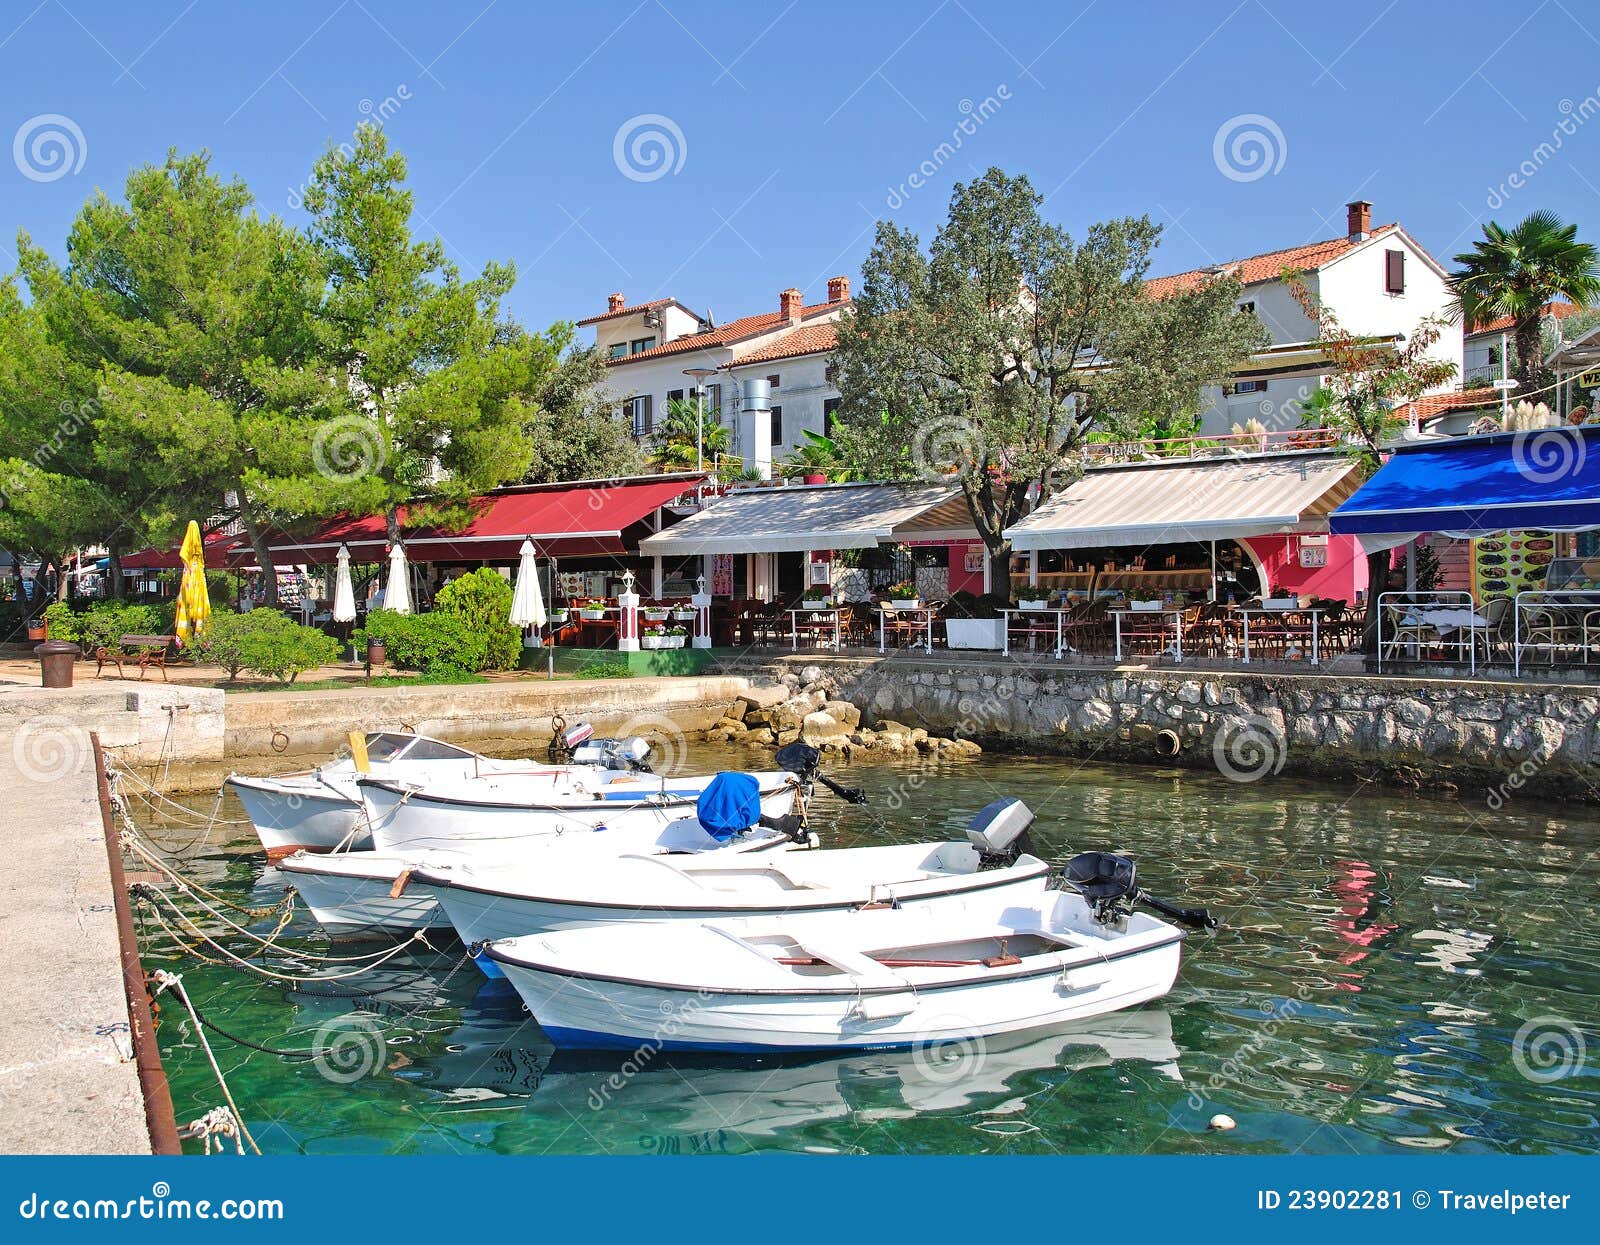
(1109, 884)
(805, 763)
(632, 753)
(999, 832)
(564, 739)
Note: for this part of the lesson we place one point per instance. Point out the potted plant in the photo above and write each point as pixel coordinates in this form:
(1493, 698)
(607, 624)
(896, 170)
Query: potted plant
(1147, 606)
(816, 601)
(592, 610)
(1033, 603)
(683, 613)
(653, 637)
(974, 622)
(656, 613)
(1281, 599)
(674, 638)
(903, 595)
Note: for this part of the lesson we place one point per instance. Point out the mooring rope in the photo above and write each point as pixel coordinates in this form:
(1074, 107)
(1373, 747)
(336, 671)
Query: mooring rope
(173, 982)
(212, 1127)
(135, 842)
(162, 798)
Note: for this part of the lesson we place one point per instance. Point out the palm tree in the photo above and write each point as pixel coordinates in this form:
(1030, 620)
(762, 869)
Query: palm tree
(685, 438)
(817, 454)
(1516, 272)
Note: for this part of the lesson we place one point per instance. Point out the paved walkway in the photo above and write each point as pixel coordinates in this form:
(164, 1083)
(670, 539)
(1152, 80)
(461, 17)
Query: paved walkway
(68, 1083)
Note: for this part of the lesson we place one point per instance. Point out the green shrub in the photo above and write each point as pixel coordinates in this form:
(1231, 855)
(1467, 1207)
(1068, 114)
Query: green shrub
(61, 621)
(605, 670)
(103, 623)
(482, 600)
(433, 643)
(267, 643)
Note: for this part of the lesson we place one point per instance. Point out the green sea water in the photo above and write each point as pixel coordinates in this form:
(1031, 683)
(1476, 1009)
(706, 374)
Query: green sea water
(1394, 973)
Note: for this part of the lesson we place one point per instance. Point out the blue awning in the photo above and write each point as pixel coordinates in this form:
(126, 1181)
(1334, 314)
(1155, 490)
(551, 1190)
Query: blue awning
(1544, 480)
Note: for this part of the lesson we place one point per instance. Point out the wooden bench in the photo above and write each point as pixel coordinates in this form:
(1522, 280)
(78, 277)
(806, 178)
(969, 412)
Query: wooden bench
(147, 650)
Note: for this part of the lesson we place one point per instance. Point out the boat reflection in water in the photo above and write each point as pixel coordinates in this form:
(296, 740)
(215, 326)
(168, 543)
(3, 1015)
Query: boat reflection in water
(498, 1060)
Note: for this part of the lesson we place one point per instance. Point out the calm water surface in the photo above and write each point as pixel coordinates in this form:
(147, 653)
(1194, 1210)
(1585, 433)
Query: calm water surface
(1381, 954)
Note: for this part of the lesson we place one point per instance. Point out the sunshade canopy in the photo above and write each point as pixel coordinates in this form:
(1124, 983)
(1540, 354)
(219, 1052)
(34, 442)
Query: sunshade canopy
(1192, 499)
(564, 520)
(230, 552)
(794, 520)
(1547, 480)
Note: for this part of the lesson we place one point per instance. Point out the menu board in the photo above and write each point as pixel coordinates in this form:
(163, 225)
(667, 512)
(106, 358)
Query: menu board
(1510, 562)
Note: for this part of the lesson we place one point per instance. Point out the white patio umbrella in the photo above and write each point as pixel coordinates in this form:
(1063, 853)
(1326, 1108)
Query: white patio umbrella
(527, 602)
(344, 594)
(397, 592)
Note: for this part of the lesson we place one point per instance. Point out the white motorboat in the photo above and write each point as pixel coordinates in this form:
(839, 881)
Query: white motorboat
(500, 898)
(366, 894)
(373, 893)
(885, 978)
(493, 811)
(319, 810)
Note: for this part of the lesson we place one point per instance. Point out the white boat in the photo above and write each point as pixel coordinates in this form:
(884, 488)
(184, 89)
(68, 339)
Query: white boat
(320, 810)
(493, 899)
(492, 811)
(880, 979)
(372, 893)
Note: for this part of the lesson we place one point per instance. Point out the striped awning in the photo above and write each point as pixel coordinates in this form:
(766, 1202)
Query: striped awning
(796, 520)
(1194, 499)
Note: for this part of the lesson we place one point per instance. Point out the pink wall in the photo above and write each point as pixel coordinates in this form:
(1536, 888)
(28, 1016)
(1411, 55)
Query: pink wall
(1339, 580)
(960, 580)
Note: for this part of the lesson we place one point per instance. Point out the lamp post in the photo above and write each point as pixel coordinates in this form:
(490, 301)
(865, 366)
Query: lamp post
(699, 375)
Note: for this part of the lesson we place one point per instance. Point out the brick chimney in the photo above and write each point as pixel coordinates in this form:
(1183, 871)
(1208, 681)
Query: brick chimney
(838, 289)
(1358, 218)
(789, 303)
(615, 303)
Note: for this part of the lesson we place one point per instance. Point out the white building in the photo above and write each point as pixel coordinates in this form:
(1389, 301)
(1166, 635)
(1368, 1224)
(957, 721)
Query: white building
(1480, 347)
(651, 347)
(1378, 283)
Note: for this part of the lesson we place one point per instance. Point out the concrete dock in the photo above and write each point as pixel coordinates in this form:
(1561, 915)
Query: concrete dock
(68, 1080)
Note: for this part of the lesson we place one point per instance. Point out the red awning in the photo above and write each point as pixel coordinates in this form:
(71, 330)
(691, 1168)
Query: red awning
(222, 553)
(562, 520)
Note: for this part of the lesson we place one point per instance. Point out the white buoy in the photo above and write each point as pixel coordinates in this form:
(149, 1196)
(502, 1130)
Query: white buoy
(1222, 1123)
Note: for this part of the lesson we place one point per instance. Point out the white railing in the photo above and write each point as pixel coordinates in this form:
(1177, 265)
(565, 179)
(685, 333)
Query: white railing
(1554, 620)
(1192, 445)
(1430, 620)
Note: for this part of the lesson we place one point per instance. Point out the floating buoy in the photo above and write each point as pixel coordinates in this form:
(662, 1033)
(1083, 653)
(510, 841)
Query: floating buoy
(1222, 1123)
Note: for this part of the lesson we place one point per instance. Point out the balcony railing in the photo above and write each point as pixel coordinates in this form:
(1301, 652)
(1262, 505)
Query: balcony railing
(1199, 446)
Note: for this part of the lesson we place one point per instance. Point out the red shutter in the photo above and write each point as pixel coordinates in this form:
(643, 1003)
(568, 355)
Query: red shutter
(1394, 276)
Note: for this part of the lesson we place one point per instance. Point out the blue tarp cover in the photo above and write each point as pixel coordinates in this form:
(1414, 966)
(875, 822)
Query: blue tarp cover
(1543, 480)
(730, 803)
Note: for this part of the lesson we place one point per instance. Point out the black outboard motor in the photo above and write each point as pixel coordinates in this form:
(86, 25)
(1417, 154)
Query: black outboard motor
(1110, 885)
(805, 763)
(999, 832)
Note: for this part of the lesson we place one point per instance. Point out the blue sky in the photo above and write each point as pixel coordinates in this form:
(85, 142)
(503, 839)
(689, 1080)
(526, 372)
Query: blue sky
(789, 128)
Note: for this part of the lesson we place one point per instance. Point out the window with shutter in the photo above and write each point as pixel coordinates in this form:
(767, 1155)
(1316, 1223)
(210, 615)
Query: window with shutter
(1394, 272)
(649, 412)
(777, 427)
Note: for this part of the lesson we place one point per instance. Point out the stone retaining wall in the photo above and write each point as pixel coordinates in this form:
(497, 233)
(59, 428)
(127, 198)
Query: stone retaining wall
(1486, 740)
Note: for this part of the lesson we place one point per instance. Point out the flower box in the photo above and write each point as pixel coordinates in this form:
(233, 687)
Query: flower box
(656, 613)
(682, 615)
(1034, 603)
(675, 641)
(558, 616)
(589, 615)
(1145, 607)
(652, 641)
(906, 603)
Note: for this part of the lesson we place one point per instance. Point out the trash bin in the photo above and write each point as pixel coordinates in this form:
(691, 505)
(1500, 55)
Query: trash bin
(55, 662)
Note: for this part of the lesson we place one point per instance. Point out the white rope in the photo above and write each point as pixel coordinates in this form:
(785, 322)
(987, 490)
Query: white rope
(172, 981)
(212, 1127)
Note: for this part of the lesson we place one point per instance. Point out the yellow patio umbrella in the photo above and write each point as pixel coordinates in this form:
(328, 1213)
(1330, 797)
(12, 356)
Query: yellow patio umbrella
(194, 602)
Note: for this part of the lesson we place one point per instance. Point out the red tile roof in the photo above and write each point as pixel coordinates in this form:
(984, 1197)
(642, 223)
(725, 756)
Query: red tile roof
(1265, 267)
(625, 311)
(726, 334)
(1432, 405)
(807, 339)
(1556, 311)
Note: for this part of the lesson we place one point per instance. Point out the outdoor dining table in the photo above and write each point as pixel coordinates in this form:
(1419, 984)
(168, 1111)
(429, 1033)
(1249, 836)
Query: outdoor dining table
(1177, 627)
(1245, 611)
(1005, 645)
(817, 614)
(926, 611)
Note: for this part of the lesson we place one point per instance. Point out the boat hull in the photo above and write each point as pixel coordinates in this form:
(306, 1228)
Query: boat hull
(588, 1014)
(358, 905)
(291, 815)
(405, 822)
